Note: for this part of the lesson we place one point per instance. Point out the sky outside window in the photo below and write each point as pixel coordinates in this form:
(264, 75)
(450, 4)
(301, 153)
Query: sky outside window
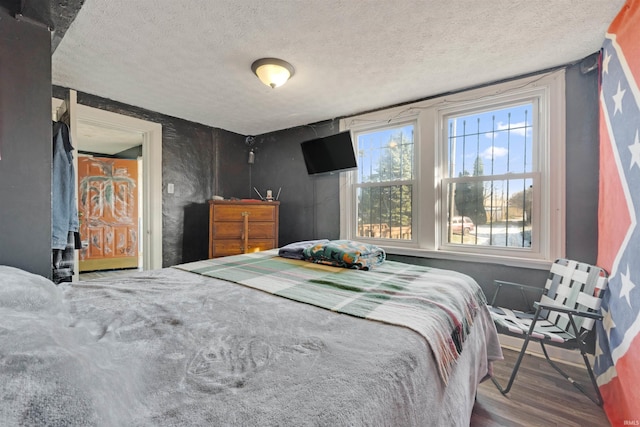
(501, 139)
(386, 155)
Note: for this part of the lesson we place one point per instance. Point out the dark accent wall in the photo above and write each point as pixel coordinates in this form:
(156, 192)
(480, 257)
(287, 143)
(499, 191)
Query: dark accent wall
(11, 6)
(582, 173)
(63, 13)
(310, 206)
(25, 145)
(199, 161)
(35, 11)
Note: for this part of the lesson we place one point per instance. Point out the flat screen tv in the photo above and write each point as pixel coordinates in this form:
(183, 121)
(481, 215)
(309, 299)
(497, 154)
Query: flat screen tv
(329, 154)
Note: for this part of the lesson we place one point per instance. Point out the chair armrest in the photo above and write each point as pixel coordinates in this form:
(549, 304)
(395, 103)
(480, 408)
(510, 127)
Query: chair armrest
(566, 310)
(517, 285)
(500, 283)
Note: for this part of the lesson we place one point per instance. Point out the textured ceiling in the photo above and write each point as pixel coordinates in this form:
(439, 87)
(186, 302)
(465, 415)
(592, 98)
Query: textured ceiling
(192, 59)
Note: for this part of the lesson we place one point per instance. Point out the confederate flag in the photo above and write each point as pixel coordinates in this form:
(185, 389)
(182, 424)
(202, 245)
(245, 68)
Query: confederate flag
(617, 364)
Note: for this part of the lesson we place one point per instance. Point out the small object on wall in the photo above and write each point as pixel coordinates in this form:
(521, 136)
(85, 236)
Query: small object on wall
(170, 188)
(252, 157)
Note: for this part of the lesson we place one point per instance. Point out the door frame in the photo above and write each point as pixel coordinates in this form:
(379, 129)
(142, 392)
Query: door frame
(151, 231)
(151, 171)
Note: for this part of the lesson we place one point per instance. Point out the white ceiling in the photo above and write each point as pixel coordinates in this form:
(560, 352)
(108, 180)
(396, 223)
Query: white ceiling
(192, 59)
(98, 139)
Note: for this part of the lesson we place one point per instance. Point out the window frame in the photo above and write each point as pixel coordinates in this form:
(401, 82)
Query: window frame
(430, 153)
(414, 182)
(536, 175)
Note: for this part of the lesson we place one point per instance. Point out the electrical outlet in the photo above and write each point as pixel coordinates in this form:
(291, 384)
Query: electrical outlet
(170, 188)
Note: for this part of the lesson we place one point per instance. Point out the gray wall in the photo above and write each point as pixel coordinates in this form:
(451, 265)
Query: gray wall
(582, 173)
(310, 207)
(25, 145)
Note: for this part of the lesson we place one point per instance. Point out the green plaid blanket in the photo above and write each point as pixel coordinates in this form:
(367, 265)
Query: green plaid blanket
(438, 304)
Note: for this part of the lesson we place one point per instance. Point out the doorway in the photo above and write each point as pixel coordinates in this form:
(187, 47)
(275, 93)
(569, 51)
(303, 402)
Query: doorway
(100, 125)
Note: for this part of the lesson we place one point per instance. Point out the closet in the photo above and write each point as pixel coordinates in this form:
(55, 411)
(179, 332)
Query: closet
(65, 238)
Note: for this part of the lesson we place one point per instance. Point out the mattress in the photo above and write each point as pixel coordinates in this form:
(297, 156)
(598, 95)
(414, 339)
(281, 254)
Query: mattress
(170, 347)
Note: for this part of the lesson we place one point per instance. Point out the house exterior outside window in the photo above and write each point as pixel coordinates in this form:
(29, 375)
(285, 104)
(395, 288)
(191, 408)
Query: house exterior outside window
(478, 175)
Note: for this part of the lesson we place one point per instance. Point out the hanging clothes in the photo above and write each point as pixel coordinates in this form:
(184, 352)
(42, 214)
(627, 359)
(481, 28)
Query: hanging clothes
(63, 259)
(64, 213)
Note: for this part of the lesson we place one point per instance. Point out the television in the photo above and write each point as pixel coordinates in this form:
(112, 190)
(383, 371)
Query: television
(329, 154)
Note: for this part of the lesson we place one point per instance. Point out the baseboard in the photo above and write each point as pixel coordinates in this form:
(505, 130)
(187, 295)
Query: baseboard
(556, 353)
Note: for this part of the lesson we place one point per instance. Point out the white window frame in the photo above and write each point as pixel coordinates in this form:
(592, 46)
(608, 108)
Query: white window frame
(414, 182)
(548, 90)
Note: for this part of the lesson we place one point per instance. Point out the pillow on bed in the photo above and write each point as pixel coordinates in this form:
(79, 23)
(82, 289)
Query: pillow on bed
(55, 371)
(346, 253)
(21, 291)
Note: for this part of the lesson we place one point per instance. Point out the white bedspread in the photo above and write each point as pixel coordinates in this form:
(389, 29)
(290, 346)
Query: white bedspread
(168, 347)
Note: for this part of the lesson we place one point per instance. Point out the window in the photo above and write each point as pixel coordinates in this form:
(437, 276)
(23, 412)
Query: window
(385, 182)
(489, 178)
(478, 175)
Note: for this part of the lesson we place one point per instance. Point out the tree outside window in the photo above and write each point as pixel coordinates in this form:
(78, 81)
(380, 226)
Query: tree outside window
(384, 189)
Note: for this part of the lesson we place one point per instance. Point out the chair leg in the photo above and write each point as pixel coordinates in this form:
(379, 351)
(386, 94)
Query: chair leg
(598, 399)
(514, 372)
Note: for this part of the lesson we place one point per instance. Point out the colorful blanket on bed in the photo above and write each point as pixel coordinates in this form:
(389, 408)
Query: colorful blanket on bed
(438, 304)
(296, 250)
(345, 253)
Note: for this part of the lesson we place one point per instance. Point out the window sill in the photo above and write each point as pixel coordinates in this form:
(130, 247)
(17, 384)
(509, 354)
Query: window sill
(467, 257)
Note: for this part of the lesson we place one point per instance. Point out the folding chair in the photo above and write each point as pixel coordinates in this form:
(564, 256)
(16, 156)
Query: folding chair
(563, 317)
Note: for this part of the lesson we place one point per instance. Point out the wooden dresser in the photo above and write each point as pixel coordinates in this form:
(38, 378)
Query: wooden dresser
(237, 227)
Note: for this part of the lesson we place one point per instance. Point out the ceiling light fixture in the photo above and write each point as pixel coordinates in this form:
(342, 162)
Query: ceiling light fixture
(272, 71)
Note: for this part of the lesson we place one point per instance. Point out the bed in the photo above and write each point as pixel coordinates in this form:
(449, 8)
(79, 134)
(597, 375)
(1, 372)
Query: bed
(177, 347)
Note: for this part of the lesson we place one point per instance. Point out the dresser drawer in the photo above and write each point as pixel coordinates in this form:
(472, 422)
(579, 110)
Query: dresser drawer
(235, 213)
(230, 230)
(224, 247)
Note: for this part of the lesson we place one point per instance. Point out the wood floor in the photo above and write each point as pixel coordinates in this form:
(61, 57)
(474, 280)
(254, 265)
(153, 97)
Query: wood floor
(539, 397)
